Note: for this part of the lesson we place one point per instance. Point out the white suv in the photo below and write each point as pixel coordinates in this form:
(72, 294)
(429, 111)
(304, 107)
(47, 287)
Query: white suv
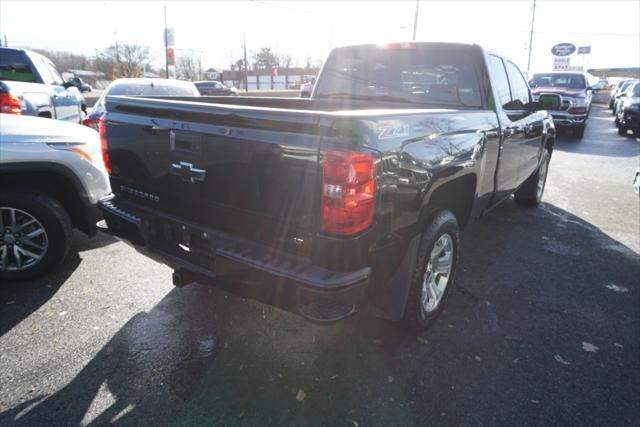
(51, 178)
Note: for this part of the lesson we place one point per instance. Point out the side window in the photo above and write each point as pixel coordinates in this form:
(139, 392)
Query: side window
(42, 70)
(499, 81)
(57, 79)
(519, 88)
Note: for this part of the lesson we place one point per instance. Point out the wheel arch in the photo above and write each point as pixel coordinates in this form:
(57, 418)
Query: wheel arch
(52, 179)
(456, 196)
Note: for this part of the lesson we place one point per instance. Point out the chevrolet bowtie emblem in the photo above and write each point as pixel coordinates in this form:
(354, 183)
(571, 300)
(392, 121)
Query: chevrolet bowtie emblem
(187, 172)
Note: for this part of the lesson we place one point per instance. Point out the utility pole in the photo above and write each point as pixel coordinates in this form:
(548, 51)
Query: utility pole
(246, 72)
(166, 47)
(115, 36)
(533, 17)
(5, 41)
(415, 19)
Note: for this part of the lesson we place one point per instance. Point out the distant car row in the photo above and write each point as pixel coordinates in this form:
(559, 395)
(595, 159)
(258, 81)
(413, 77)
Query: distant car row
(625, 105)
(31, 85)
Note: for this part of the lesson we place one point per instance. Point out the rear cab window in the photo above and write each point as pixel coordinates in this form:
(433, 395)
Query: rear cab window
(16, 67)
(435, 74)
(568, 80)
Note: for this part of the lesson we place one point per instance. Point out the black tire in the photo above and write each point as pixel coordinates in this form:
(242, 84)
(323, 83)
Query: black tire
(56, 223)
(529, 195)
(622, 130)
(415, 317)
(578, 132)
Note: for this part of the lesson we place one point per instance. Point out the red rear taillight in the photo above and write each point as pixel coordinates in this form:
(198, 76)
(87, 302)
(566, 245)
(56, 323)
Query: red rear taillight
(102, 128)
(10, 104)
(91, 122)
(348, 191)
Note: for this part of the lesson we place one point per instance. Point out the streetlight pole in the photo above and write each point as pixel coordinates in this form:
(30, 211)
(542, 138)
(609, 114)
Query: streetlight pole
(415, 19)
(533, 17)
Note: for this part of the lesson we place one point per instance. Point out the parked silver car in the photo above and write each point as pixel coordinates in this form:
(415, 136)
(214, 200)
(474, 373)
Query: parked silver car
(51, 177)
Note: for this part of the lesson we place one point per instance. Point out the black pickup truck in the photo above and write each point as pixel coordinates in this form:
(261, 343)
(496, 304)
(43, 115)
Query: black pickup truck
(354, 196)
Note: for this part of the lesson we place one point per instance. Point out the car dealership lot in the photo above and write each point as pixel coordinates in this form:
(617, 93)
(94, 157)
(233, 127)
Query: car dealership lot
(543, 327)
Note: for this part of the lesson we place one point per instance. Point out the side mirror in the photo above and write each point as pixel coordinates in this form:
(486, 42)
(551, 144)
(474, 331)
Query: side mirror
(548, 101)
(589, 88)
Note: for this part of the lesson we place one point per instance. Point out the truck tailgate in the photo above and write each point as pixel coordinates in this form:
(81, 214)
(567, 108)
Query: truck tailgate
(247, 172)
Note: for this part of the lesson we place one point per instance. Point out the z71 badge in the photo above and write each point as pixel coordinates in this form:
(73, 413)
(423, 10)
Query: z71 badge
(393, 131)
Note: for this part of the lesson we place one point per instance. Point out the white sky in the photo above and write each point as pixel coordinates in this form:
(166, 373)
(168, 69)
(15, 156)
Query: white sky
(311, 28)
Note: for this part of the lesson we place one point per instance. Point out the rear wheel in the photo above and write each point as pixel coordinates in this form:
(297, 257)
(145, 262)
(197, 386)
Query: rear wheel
(35, 234)
(434, 272)
(622, 130)
(530, 194)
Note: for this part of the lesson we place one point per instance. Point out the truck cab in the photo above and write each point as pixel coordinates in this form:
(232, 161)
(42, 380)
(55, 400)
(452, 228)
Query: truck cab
(31, 85)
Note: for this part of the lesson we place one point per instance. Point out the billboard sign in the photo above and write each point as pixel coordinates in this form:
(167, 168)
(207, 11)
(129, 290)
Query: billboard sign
(170, 37)
(563, 49)
(561, 63)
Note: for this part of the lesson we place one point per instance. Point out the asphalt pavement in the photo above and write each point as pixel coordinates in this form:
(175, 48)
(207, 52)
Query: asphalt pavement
(543, 328)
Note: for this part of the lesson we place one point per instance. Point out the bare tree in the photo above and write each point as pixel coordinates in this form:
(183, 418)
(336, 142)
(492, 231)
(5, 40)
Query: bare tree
(237, 65)
(189, 66)
(129, 59)
(105, 64)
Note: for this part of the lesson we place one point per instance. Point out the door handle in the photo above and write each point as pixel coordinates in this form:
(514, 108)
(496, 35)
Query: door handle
(509, 131)
(155, 129)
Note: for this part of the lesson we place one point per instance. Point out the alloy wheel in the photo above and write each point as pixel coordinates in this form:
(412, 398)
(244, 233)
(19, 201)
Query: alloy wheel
(437, 274)
(23, 240)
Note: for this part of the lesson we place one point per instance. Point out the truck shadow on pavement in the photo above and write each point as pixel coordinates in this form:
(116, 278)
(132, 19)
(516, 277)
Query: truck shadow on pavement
(31, 295)
(532, 288)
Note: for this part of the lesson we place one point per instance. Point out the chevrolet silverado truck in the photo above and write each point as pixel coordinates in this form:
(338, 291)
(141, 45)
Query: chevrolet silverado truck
(352, 198)
(576, 96)
(30, 85)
